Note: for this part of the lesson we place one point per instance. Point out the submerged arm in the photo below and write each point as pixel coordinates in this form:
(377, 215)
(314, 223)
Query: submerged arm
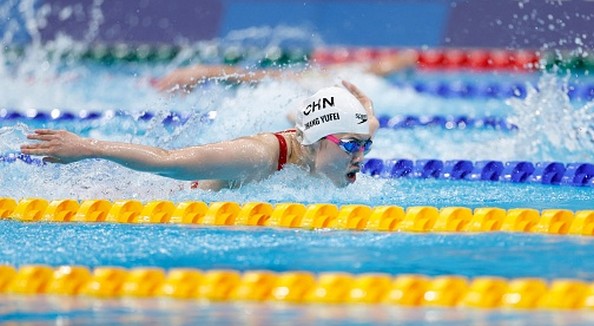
(237, 159)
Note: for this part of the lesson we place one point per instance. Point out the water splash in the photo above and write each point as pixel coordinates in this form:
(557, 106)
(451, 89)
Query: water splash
(550, 126)
(11, 137)
(29, 53)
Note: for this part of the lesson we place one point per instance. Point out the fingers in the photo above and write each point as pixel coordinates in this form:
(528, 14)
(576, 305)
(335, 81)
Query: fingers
(46, 144)
(359, 95)
(30, 150)
(49, 159)
(45, 134)
(35, 146)
(48, 134)
(44, 137)
(45, 131)
(354, 90)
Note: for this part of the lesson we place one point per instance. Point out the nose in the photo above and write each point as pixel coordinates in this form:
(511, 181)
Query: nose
(357, 158)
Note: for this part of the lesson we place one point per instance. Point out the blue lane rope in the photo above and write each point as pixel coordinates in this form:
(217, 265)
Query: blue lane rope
(490, 90)
(20, 157)
(446, 122)
(549, 173)
(83, 115)
(176, 118)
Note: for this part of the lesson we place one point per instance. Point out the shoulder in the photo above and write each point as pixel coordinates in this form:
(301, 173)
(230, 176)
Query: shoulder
(271, 138)
(264, 139)
(270, 142)
(264, 146)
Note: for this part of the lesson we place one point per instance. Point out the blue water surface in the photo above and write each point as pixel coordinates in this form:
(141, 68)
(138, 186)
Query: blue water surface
(501, 254)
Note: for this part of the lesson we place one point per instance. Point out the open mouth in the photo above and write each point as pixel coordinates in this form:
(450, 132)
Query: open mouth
(352, 176)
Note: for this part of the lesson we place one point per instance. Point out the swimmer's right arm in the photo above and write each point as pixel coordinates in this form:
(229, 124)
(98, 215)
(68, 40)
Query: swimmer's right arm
(232, 160)
(367, 104)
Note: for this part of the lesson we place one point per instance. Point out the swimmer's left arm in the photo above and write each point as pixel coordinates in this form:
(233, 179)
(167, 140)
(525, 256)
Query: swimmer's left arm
(391, 63)
(187, 78)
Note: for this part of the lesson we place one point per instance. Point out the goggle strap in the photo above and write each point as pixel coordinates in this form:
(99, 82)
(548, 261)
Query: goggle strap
(351, 146)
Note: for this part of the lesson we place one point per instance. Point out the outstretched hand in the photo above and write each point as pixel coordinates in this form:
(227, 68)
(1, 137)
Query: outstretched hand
(57, 146)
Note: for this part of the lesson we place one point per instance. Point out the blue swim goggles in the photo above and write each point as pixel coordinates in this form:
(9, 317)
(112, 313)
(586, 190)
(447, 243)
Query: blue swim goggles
(351, 146)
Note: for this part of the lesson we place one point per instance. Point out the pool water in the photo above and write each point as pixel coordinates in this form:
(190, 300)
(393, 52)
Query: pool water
(551, 127)
(83, 311)
(170, 246)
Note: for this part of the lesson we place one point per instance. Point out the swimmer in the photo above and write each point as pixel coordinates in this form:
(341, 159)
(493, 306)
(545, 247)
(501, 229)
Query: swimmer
(333, 131)
(187, 78)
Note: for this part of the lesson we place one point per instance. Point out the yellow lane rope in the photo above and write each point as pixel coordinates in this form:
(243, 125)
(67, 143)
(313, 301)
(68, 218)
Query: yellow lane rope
(298, 287)
(296, 215)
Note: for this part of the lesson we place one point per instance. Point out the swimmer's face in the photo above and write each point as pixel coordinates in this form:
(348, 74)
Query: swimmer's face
(335, 163)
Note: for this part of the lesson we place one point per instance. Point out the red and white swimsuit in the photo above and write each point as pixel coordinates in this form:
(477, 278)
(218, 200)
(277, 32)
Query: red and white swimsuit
(283, 150)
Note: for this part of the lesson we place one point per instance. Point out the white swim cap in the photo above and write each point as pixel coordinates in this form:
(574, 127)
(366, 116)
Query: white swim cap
(330, 111)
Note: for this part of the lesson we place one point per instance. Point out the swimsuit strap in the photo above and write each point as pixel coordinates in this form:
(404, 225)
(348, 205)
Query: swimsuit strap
(282, 151)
